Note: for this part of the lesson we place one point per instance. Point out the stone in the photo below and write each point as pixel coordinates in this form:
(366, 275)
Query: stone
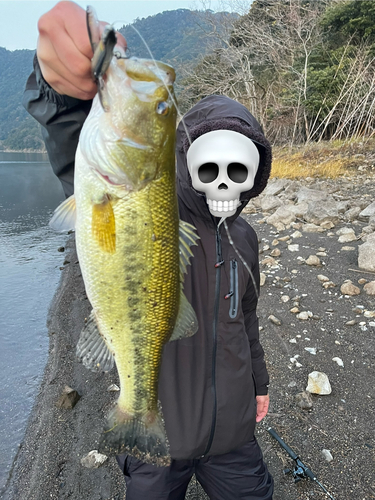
(296, 234)
(318, 383)
(312, 228)
(366, 254)
(369, 288)
(327, 455)
(328, 224)
(348, 288)
(311, 350)
(347, 249)
(339, 361)
(68, 399)
(285, 298)
(304, 400)
(276, 186)
(293, 248)
(113, 388)
(313, 260)
(283, 215)
(294, 310)
(319, 213)
(300, 209)
(262, 279)
(61, 249)
(268, 203)
(369, 314)
(344, 230)
(347, 236)
(304, 315)
(93, 460)
(321, 277)
(328, 284)
(274, 320)
(368, 212)
(352, 213)
(269, 261)
(308, 195)
(276, 252)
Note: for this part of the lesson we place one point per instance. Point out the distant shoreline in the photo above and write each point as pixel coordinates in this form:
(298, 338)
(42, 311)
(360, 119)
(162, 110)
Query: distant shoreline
(23, 151)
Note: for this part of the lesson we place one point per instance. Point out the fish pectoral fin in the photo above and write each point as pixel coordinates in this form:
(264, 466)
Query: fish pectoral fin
(64, 217)
(188, 238)
(186, 323)
(104, 226)
(92, 349)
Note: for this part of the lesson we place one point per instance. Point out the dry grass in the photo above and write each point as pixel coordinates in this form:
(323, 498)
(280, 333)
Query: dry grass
(324, 159)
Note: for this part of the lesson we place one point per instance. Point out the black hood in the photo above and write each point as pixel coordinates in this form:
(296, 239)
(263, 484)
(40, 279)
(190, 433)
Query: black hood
(217, 112)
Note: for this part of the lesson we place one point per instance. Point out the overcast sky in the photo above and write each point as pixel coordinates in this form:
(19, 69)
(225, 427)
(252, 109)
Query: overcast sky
(18, 18)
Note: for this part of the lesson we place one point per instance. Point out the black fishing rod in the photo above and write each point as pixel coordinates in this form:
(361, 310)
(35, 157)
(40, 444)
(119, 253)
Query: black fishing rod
(300, 471)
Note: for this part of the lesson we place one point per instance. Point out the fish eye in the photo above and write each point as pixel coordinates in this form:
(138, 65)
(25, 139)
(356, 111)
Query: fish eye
(162, 108)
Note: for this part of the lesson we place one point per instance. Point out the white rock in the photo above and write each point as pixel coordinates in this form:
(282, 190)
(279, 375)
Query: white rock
(262, 279)
(369, 314)
(312, 228)
(327, 455)
(311, 350)
(304, 315)
(296, 234)
(293, 248)
(339, 361)
(347, 238)
(308, 195)
(113, 388)
(321, 277)
(293, 341)
(344, 230)
(366, 254)
(318, 383)
(93, 459)
(369, 288)
(283, 215)
(367, 212)
(285, 298)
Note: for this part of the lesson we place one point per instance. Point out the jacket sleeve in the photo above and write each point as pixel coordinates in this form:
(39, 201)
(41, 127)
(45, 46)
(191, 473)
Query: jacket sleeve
(61, 118)
(249, 304)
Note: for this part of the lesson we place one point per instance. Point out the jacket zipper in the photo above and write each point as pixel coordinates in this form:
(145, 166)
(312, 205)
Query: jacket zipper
(233, 289)
(219, 262)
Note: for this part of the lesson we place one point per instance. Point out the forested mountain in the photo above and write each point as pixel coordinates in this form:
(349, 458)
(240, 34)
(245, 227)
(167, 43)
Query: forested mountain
(172, 36)
(176, 36)
(304, 68)
(17, 129)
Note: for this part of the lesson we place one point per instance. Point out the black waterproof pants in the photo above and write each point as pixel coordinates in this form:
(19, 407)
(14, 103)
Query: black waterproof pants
(238, 475)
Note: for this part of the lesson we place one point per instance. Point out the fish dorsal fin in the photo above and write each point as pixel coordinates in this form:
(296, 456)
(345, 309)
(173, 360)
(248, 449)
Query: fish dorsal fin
(188, 237)
(186, 323)
(104, 226)
(64, 217)
(92, 349)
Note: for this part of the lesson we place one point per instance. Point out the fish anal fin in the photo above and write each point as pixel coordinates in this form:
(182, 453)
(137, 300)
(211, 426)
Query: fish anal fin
(186, 323)
(188, 237)
(64, 217)
(104, 226)
(92, 349)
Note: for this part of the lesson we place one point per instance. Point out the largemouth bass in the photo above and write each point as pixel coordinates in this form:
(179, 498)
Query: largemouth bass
(132, 248)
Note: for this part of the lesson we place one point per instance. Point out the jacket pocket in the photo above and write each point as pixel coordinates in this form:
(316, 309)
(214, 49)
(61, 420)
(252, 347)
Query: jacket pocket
(233, 308)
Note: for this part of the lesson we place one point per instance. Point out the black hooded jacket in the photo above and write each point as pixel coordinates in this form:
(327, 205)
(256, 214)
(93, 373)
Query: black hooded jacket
(208, 382)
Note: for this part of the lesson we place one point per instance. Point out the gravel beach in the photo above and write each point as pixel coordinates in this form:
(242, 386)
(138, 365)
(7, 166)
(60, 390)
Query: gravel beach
(309, 322)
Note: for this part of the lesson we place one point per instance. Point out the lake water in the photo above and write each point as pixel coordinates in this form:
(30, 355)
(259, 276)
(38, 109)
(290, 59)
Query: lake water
(29, 274)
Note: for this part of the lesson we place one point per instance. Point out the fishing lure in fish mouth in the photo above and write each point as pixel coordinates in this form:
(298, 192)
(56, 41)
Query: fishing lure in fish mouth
(103, 47)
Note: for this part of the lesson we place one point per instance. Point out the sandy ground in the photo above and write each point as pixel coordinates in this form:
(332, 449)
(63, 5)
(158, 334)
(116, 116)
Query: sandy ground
(48, 464)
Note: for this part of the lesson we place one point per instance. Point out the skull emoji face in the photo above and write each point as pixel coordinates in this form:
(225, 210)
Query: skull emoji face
(223, 164)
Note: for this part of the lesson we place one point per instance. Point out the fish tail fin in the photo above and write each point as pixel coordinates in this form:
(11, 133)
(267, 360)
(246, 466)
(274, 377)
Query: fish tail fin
(142, 436)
